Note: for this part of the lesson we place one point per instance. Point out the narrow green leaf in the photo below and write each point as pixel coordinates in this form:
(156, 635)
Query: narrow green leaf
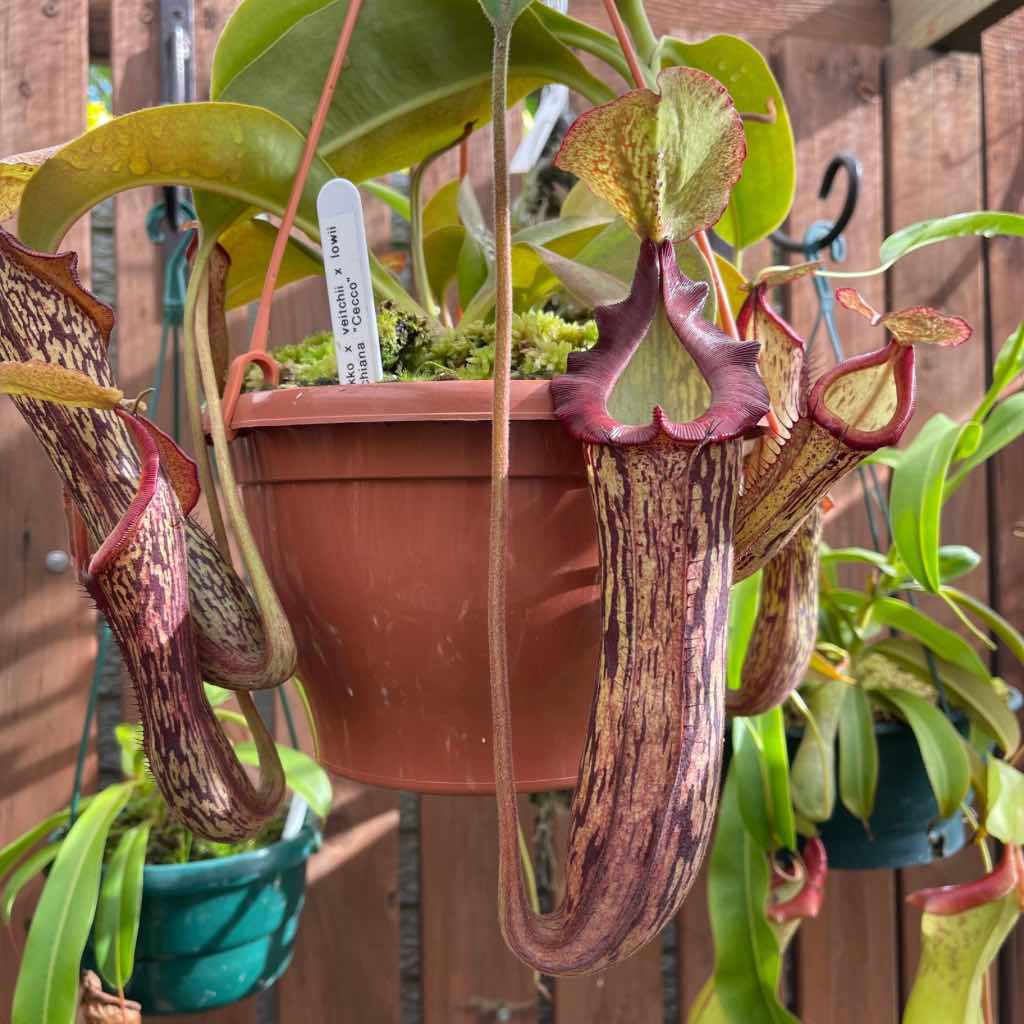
(987, 223)
(978, 697)
(23, 874)
(813, 772)
(747, 959)
(216, 695)
(116, 929)
(944, 642)
(858, 755)
(15, 850)
(750, 776)
(862, 555)
(133, 757)
(775, 756)
(397, 201)
(915, 502)
(890, 457)
(956, 560)
(1005, 792)
(1010, 360)
(471, 269)
(1003, 629)
(302, 774)
(940, 746)
(47, 986)
(744, 601)
(1003, 426)
(441, 210)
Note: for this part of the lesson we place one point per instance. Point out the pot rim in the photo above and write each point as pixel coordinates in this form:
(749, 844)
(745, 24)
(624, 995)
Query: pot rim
(236, 869)
(389, 402)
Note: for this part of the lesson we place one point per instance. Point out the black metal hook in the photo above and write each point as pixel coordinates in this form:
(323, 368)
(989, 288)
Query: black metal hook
(851, 165)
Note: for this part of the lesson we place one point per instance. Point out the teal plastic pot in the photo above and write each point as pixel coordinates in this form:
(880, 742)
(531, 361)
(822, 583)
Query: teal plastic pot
(213, 932)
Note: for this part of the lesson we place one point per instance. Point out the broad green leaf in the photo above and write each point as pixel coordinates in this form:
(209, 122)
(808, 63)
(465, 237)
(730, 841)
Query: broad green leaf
(249, 244)
(987, 223)
(441, 249)
(581, 202)
(15, 850)
(417, 72)
(1005, 800)
(944, 642)
(813, 772)
(744, 601)
(735, 284)
(940, 746)
(471, 270)
(117, 913)
(245, 154)
(707, 1007)
(775, 758)
(588, 285)
(302, 774)
(1003, 426)
(397, 201)
(1007, 633)
(47, 986)
(956, 952)
(858, 755)
(747, 958)
(23, 874)
(978, 697)
(686, 140)
(915, 502)
(762, 197)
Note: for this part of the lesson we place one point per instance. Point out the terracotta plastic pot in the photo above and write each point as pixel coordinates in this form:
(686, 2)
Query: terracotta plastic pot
(370, 505)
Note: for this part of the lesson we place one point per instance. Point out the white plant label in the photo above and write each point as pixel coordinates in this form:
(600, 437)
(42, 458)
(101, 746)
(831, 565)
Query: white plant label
(349, 287)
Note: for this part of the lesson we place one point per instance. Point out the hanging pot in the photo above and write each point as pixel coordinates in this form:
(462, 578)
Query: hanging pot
(216, 931)
(370, 506)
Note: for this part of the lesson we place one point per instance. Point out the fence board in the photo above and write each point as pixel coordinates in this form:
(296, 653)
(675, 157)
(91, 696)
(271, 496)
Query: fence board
(935, 168)
(696, 950)
(468, 973)
(47, 632)
(1002, 50)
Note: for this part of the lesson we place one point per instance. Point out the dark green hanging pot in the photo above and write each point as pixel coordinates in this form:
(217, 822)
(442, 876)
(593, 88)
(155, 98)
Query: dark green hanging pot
(214, 932)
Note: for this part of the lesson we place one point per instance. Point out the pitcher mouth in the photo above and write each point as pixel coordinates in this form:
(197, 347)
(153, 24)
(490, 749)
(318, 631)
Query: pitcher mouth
(889, 403)
(738, 401)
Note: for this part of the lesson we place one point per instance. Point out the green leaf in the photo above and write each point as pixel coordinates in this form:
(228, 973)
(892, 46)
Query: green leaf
(1004, 425)
(1005, 794)
(686, 140)
(117, 913)
(862, 555)
(890, 457)
(858, 755)
(441, 210)
(1003, 629)
(15, 850)
(47, 986)
(1010, 360)
(944, 642)
(764, 194)
(133, 757)
(747, 958)
(216, 695)
(471, 269)
(813, 772)
(775, 758)
(956, 560)
(956, 952)
(397, 201)
(441, 249)
(987, 223)
(579, 35)
(750, 777)
(249, 243)
(744, 602)
(978, 697)
(23, 874)
(302, 775)
(940, 746)
(915, 503)
(418, 71)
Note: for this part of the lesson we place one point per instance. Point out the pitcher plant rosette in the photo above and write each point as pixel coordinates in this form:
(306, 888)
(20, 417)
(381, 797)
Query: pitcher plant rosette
(708, 457)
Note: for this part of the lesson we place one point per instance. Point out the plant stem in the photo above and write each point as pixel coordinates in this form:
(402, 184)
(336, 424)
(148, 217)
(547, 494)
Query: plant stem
(635, 17)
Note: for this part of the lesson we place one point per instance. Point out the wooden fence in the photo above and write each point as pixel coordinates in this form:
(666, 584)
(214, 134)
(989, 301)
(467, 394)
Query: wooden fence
(400, 922)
